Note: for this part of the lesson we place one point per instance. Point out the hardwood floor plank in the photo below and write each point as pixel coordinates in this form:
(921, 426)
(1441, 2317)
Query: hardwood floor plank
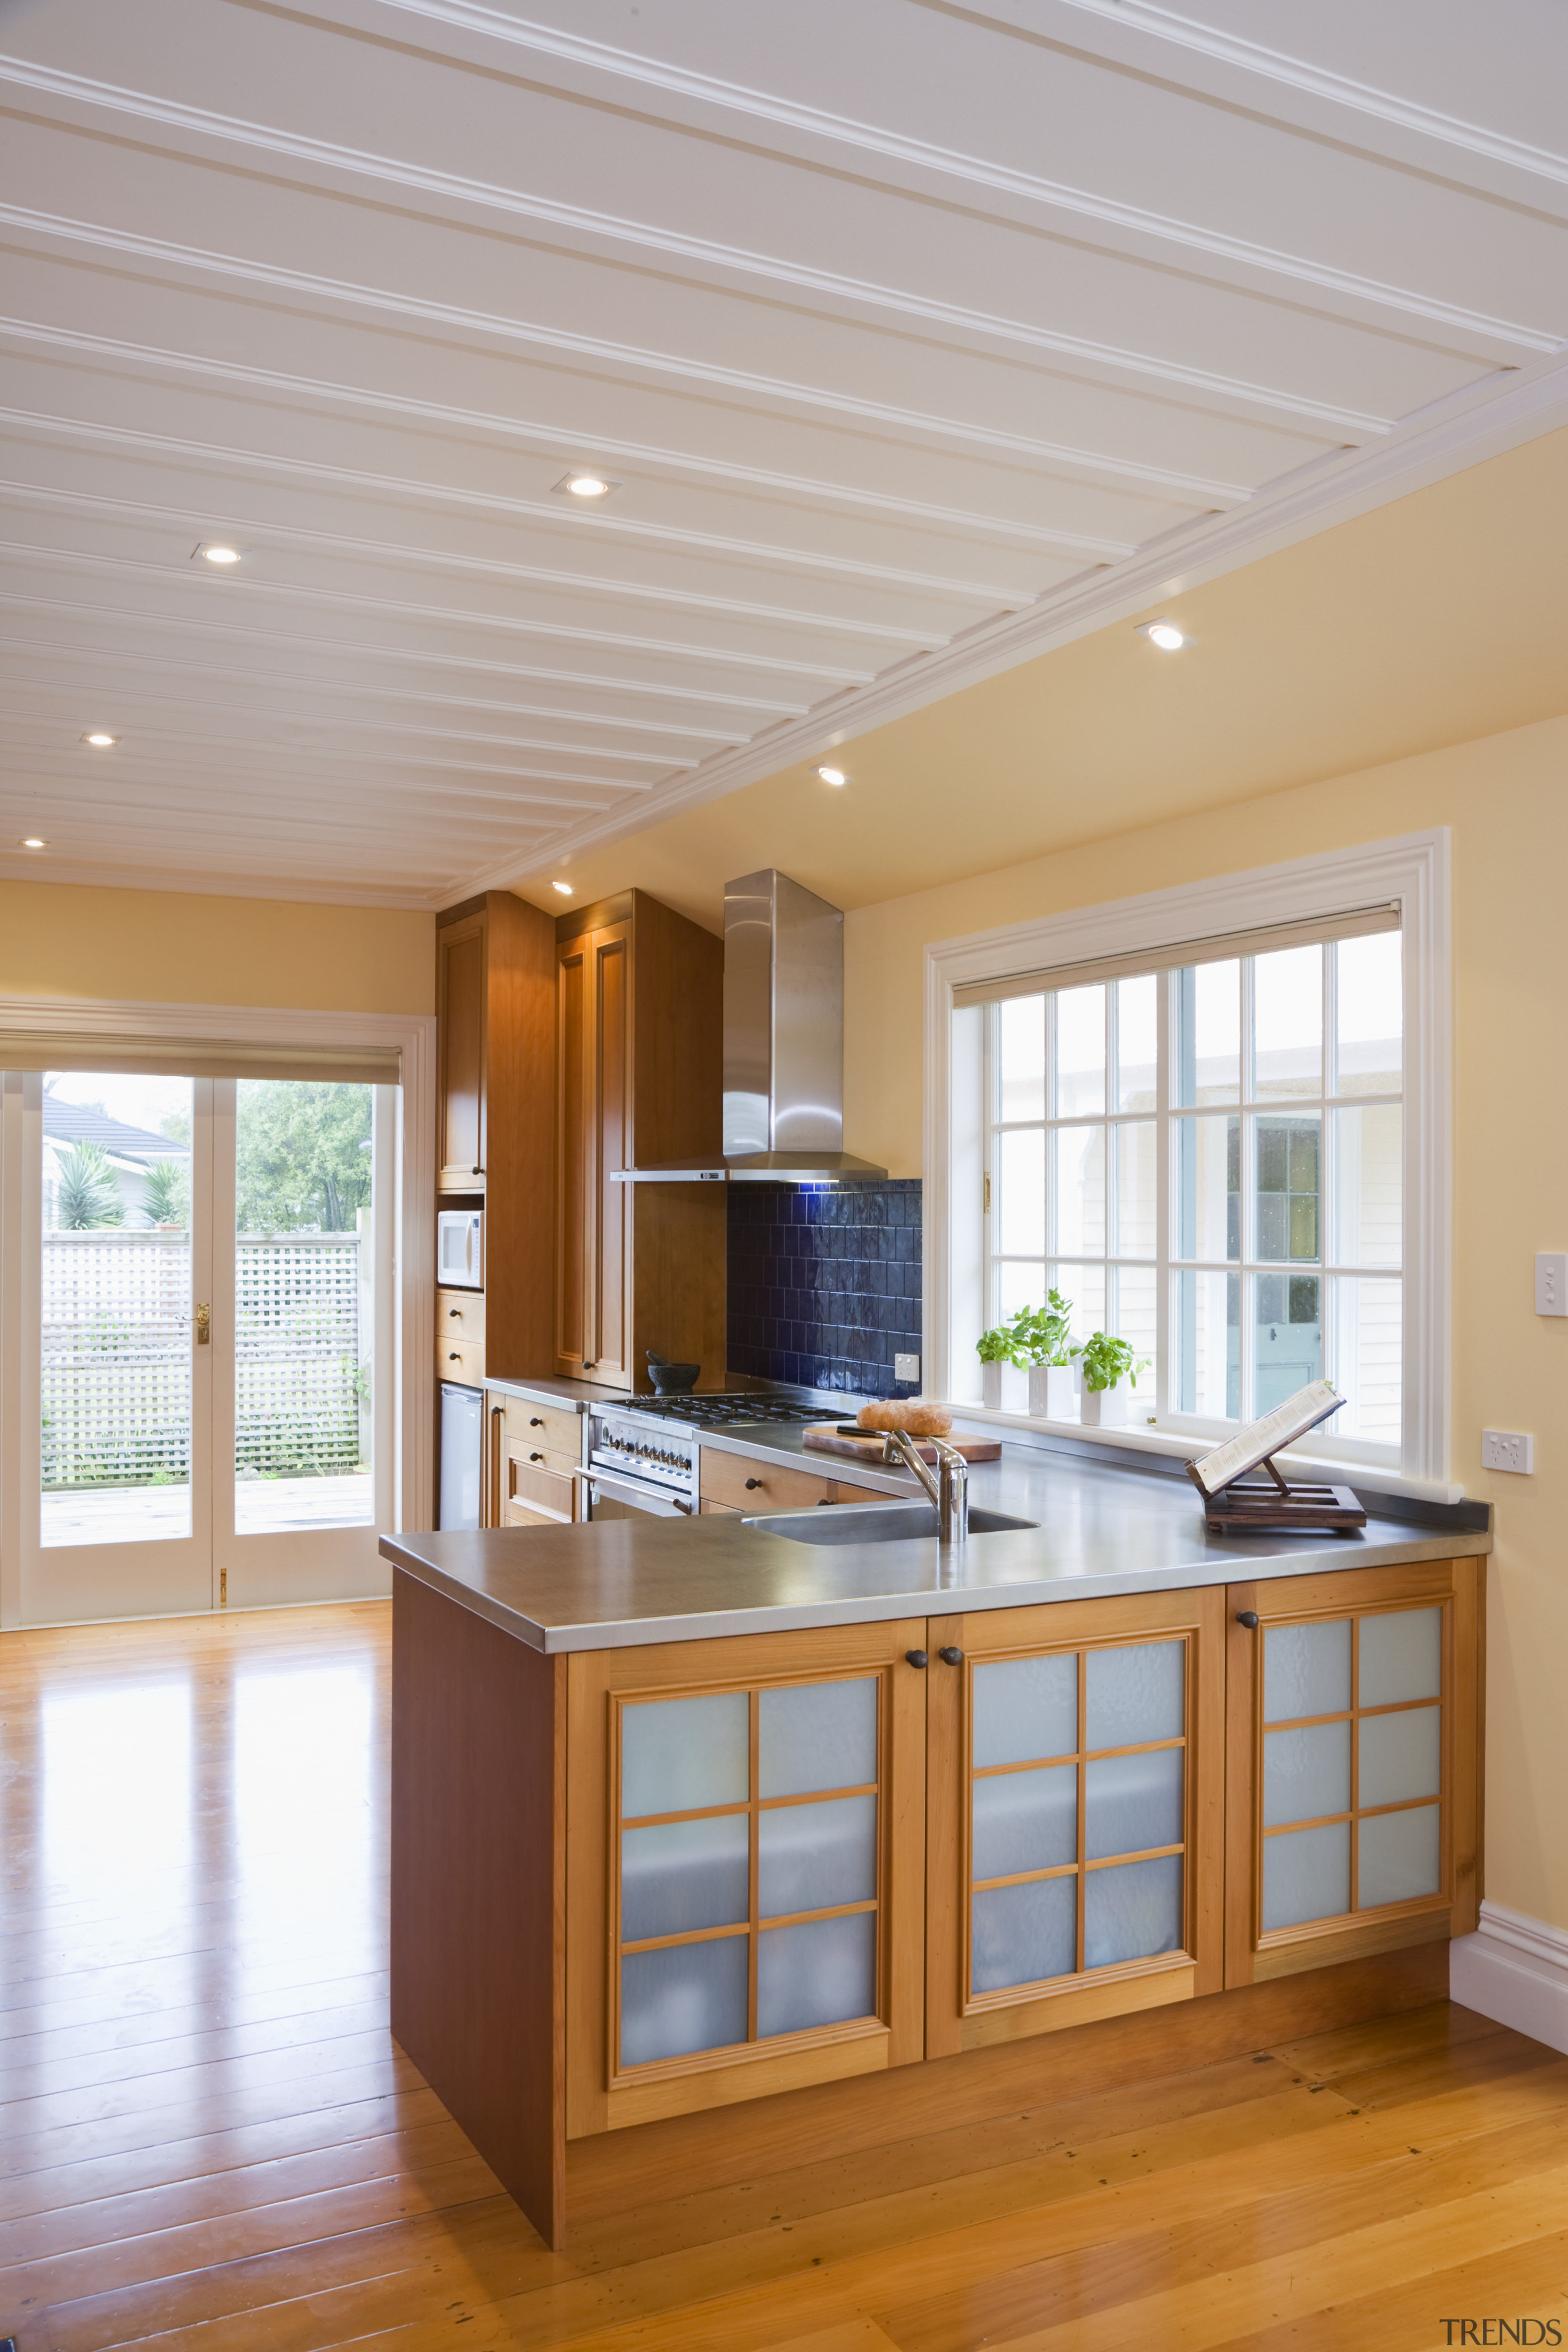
(209, 2143)
(417, 2154)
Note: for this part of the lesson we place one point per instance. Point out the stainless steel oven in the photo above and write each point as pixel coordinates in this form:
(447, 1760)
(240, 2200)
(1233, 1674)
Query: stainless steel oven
(638, 1467)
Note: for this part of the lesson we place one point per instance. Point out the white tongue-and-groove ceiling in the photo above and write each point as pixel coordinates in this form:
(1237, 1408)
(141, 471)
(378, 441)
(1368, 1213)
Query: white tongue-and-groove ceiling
(917, 337)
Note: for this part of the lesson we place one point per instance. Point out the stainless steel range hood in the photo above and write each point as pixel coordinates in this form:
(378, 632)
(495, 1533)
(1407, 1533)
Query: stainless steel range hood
(783, 1043)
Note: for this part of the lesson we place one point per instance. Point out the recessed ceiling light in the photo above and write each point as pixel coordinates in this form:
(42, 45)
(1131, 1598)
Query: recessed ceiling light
(833, 775)
(33, 842)
(219, 551)
(100, 741)
(587, 483)
(565, 889)
(1165, 635)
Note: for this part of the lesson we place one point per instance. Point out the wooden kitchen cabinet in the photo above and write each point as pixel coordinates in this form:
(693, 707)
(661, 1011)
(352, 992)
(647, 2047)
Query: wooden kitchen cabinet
(1077, 1813)
(803, 1862)
(534, 1450)
(639, 1080)
(496, 1023)
(746, 1892)
(1355, 1745)
(753, 1483)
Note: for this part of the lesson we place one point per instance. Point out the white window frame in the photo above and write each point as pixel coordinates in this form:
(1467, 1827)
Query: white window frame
(1411, 872)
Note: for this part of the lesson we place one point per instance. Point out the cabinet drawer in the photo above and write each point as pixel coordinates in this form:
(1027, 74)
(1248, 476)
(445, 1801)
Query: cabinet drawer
(541, 1489)
(553, 1427)
(460, 1359)
(459, 1315)
(745, 1485)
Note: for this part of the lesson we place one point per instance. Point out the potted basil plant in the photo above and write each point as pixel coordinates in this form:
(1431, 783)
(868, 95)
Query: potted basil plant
(1103, 1363)
(1037, 1340)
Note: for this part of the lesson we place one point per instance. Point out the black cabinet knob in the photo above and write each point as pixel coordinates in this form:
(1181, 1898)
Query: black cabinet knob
(917, 1657)
(453, 1357)
(536, 1457)
(951, 1656)
(752, 1484)
(1248, 1617)
(536, 1421)
(454, 1310)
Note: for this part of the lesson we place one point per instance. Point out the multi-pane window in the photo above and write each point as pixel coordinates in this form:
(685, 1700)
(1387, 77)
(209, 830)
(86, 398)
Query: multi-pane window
(1207, 1159)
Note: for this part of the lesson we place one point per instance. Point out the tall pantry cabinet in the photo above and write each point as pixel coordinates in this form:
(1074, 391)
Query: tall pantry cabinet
(640, 1079)
(496, 1146)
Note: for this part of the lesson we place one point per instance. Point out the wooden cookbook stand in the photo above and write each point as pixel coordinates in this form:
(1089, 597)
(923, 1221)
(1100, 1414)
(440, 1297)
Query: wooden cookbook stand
(1248, 1504)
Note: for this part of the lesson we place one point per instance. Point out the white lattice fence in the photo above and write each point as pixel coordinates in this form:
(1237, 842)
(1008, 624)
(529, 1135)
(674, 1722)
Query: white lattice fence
(116, 1357)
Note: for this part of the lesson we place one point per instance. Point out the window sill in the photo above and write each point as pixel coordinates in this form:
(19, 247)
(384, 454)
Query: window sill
(1138, 1437)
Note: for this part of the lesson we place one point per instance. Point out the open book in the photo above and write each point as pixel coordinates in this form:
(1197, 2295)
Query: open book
(1283, 1427)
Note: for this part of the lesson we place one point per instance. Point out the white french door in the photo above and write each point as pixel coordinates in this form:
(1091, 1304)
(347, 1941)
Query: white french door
(198, 1371)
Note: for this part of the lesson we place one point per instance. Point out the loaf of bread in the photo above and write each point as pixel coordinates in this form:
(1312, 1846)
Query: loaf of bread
(909, 1413)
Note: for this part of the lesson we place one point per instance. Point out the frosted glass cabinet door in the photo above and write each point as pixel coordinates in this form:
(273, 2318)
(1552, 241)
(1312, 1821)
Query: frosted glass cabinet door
(1363, 1688)
(749, 1891)
(1078, 1812)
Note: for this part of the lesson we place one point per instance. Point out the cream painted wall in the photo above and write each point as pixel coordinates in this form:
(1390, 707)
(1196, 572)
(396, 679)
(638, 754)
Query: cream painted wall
(1506, 799)
(60, 939)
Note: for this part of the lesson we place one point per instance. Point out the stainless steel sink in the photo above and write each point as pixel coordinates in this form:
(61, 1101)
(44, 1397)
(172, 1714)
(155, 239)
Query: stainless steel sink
(856, 1523)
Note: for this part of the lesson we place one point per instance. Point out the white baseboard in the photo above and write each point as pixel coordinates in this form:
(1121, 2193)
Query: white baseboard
(1515, 1970)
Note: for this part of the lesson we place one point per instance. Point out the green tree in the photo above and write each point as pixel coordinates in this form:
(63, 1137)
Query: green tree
(302, 1155)
(167, 1196)
(86, 1193)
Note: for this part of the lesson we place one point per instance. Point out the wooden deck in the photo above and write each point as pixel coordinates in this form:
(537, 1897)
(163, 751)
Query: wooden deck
(152, 1514)
(209, 2143)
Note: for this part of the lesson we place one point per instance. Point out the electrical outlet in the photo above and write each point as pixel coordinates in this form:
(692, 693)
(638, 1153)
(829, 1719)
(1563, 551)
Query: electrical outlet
(1507, 1449)
(1552, 1282)
(907, 1367)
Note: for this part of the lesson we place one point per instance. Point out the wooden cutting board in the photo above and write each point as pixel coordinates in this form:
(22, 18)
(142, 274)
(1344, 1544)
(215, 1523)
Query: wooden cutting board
(866, 1445)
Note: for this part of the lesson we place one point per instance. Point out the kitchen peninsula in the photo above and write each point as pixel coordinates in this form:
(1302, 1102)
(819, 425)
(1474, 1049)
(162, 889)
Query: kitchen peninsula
(711, 1839)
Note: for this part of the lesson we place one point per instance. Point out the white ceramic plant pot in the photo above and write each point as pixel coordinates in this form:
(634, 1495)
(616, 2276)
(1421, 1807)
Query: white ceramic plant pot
(1053, 1392)
(990, 1386)
(1104, 1408)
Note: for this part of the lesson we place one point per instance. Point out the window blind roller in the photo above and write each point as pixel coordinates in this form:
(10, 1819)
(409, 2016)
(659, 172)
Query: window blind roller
(1364, 920)
(199, 1057)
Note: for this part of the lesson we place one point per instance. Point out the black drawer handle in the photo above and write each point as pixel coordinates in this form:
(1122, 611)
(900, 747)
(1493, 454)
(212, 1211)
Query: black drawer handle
(917, 1657)
(453, 1357)
(1248, 1617)
(752, 1484)
(454, 1310)
(951, 1656)
(536, 1457)
(537, 1422)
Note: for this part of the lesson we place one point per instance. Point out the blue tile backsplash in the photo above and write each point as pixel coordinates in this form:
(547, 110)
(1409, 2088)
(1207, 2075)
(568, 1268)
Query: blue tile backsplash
(824, 1283)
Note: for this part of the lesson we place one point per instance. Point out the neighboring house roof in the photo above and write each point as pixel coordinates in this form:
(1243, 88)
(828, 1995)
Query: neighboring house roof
(67, 1123)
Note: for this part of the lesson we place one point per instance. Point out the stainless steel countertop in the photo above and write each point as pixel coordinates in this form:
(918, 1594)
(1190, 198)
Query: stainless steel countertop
(1104, 1529)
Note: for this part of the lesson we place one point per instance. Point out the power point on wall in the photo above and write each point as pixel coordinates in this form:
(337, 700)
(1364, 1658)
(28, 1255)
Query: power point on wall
(1507, 1449)
(907, 1367)
(1552, 1282)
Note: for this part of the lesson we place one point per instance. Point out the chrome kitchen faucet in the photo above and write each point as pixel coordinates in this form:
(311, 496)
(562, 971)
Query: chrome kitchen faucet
(948, 1485)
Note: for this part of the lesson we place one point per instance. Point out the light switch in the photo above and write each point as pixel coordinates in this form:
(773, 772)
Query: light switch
(907, 1367)
(1507, 1449)
(1552, 1282)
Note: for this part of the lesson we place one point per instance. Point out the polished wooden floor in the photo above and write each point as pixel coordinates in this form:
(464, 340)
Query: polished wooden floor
(209, 2143)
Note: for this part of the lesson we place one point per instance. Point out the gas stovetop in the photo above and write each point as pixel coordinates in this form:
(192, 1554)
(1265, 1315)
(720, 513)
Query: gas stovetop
(728, 1411)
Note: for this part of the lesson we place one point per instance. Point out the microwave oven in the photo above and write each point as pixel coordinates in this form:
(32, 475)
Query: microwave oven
(460, 1249)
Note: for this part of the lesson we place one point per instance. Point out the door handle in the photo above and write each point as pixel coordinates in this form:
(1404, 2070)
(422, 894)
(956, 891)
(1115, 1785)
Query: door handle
(752, 1484)
(1248, 1617)
(951, 1656)
(917, 1657)
(202, 1316)
(536, 1457)
(537, 1422)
